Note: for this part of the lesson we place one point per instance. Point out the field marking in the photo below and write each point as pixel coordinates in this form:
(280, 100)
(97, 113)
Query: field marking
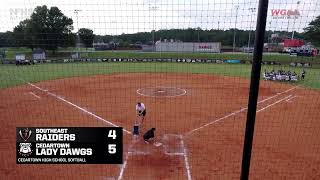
(271, 97)
(289, 100)
(174, 154)
(124, 165)
(185, 155)
(78, 107)
(183, 90)
(274, 103)
(237, 112)
(34, 95)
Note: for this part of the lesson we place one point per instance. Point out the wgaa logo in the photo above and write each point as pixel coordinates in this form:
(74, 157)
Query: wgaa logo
(25, 134)
(25, 149)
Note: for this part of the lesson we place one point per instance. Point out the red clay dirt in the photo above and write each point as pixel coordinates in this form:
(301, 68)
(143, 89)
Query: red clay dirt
(286, 141)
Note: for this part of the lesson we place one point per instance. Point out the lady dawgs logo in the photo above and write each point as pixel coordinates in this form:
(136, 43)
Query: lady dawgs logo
(25, 148)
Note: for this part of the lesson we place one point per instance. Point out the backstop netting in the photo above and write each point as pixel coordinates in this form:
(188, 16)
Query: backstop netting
(87, 63)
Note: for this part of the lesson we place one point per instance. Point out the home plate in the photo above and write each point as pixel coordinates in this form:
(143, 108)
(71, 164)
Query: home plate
(157, 144)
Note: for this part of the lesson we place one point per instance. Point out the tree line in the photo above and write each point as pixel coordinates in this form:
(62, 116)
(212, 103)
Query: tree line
(48, 29)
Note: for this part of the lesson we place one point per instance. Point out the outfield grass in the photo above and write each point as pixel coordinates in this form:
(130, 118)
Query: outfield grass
(12, 51)
(11, 75)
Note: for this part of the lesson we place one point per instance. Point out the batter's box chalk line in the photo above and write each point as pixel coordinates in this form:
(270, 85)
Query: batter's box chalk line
(139, 148)
(171, 145)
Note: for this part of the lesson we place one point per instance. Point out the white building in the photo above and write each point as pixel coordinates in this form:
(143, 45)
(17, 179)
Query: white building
(210, 47)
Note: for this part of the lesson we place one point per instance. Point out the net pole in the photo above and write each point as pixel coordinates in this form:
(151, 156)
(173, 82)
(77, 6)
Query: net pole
(254, 87)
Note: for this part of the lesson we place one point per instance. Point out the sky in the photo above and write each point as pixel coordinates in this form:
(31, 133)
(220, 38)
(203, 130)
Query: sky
(115, 17)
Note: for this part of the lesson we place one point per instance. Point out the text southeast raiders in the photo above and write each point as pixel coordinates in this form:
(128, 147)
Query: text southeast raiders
(55, 137)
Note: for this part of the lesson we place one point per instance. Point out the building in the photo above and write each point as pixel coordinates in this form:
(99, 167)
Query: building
(20, 57)
(38, 54)
(100, 46)
(293, 43)
(209, 47)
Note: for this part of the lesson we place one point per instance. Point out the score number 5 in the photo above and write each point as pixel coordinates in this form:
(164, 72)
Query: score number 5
(112, 147)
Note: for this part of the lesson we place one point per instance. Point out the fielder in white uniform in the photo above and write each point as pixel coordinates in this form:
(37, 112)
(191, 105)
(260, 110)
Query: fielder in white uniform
(141, 110)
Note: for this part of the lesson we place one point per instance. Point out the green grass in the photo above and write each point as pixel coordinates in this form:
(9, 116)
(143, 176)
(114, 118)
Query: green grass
(284, 58)
(11, 75)
(12, 51)
(267, 57)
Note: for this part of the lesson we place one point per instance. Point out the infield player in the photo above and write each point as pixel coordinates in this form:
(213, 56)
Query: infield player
(141, 111)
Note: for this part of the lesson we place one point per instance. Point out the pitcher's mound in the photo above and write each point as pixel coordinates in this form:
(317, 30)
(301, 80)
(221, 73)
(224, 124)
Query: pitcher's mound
(161, 92)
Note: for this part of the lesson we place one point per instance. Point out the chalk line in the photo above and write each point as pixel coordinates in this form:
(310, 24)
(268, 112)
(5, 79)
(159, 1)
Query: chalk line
(78, 107)
(237, 112)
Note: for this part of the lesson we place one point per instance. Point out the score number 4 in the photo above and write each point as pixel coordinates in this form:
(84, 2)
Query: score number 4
(112, 147)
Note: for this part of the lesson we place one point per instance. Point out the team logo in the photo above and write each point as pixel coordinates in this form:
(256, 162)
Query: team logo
(25, 149)
(25, 134)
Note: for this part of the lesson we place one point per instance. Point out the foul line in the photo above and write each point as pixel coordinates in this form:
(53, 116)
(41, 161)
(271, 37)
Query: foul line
(123, 167)
(185, 158)
(239, 111)
(34, 95)
(289, 100)
(78, 107)
(287, 97)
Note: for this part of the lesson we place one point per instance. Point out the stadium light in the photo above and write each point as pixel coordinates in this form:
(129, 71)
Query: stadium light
(234, 31)
(113, 34)
(154, 9)
(76, 11)
(252, 10)
(294, 22)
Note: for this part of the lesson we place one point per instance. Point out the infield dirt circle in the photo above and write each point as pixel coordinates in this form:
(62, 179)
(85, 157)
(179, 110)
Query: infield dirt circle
(161, 92)
(199, 118)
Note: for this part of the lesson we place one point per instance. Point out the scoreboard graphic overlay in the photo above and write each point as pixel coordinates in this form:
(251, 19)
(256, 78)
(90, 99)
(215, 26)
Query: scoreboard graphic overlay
(69, 145)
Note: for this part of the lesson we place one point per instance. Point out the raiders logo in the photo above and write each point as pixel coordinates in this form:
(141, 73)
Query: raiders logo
(25, 134)
(25, 149)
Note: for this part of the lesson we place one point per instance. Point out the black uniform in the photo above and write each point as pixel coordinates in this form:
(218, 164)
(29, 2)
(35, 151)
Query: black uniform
(149, 134)
(303, 74)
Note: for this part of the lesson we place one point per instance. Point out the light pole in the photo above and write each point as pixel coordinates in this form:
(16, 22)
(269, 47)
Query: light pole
(294, 22)
(252, 10)
(76, 11)
(234, 32)
(113, 34)
(154, 9)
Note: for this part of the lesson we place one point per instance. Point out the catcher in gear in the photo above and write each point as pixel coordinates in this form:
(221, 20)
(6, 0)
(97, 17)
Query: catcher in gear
(149, 135)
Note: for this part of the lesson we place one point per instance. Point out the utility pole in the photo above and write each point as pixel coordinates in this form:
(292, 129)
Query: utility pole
(234, 32)
(252, 10)
(294, 21)
(154, 9)
(113, 34)
(76, 11)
